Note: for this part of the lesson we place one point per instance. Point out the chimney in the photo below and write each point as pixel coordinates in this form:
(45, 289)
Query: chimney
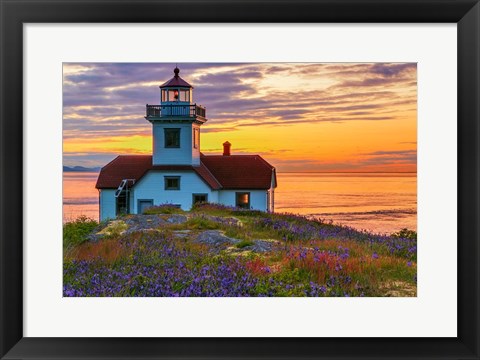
(226, 148)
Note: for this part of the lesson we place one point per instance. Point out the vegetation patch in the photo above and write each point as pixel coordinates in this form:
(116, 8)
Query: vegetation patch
(76, 232)
(196, 253)
(113, 229)
(244, 243)
(163, 209)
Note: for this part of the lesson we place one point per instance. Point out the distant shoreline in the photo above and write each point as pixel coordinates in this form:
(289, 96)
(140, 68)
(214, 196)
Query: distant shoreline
(97, 169)
(80, 169)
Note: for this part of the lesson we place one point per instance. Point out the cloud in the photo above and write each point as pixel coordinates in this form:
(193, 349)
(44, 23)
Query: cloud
(108, 99)
(385, 157)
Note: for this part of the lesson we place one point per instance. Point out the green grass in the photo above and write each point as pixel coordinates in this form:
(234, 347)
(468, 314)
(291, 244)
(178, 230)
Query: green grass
(244, 243)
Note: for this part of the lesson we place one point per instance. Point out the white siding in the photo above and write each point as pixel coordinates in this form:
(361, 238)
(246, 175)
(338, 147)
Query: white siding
(258, 198)
(172, 156)
(107, 204)
(152, 186)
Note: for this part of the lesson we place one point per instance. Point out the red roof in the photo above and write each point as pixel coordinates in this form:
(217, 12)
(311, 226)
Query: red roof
(176, 81)
(123, 167)
(219, 172)
(240, 171)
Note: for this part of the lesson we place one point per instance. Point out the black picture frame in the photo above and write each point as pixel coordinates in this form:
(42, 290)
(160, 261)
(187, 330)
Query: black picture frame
(14, 13)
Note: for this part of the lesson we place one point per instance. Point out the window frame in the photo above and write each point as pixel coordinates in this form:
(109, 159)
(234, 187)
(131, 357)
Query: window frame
(169, 188)
(199, 194)
(237, 194)
(167, 130)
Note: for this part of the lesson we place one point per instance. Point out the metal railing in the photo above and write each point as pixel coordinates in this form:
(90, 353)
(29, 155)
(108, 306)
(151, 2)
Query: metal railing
(176, 110)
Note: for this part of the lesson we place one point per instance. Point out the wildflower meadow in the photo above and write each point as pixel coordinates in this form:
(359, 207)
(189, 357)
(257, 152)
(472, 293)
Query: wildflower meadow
(218, 251)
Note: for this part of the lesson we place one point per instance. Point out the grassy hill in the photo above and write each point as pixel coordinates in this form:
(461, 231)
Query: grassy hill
(214, 250)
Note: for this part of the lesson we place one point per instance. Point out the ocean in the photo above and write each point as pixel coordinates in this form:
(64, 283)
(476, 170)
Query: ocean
(377, 202)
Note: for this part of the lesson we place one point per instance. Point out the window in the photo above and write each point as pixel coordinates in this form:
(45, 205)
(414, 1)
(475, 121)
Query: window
(242, 200)
(172, 94)
(164, 95)
(199, 198)
(172, 138)
(185, 95)
(172, 182)
(196, 138)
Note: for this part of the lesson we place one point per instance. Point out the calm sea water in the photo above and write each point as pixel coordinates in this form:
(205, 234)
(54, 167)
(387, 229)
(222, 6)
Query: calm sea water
(379, 202)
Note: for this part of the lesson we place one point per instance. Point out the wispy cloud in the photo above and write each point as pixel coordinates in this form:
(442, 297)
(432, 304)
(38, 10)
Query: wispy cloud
(107, 100)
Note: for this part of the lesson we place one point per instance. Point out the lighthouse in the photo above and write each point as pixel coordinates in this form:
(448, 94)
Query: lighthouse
(176, 124)
(177, 172)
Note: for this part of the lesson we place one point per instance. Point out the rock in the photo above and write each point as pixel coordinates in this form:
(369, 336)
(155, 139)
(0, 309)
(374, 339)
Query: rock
(177, 219)
(398, 289)
(262, 246)
(112, 228)
(215, 238)
(144, 222)
(181, 233)
(229, 221)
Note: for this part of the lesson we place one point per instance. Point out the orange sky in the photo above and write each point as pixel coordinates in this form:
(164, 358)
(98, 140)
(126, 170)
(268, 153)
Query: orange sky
(299, 117)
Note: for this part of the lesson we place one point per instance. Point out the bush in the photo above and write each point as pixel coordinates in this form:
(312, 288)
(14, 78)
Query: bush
(405, 234)
(163, 209)
(76, 232)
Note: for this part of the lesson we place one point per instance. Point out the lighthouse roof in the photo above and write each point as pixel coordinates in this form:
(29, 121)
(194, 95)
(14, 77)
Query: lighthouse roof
(218, 172)
(134, 167)
(176, 81)
(240, 171)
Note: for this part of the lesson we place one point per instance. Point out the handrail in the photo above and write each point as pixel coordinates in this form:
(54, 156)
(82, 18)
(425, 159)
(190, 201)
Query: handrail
(169, 110)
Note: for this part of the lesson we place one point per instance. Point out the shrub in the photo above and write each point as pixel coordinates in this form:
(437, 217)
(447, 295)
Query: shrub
(201, 223)
(163, 209)
(405, 234)
(76, 232)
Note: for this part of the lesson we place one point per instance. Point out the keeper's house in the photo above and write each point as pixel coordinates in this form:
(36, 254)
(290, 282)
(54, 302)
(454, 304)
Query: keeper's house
(178, 173)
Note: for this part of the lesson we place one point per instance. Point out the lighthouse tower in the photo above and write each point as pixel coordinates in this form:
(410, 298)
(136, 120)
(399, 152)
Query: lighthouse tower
(176, 124)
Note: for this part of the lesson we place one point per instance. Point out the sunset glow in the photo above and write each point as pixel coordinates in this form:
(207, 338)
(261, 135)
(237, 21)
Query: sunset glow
(301, 117)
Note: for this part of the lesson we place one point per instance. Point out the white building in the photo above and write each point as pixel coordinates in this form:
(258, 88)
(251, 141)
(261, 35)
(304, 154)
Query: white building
(177, 172)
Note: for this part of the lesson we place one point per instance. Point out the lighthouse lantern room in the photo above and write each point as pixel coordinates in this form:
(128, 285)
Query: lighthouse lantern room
(176, 124)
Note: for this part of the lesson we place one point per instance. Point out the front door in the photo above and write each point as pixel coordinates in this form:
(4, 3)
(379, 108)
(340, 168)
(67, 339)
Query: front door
(144, 205)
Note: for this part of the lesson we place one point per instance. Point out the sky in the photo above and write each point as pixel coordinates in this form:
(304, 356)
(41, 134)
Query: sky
(314, 117)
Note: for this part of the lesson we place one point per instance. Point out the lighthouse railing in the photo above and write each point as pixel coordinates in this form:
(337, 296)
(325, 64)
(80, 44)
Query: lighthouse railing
(171, 110)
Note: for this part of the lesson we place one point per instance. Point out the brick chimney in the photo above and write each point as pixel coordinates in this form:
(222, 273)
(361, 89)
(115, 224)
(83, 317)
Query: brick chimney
(226, 148)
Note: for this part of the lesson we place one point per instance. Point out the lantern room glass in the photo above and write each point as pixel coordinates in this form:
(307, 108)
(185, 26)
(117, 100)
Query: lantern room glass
(173, 95)
(185, 95)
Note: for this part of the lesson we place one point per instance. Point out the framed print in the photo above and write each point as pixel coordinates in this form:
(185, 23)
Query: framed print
(214, 224)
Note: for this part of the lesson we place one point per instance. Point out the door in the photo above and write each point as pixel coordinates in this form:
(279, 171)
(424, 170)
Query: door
(144, 205)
